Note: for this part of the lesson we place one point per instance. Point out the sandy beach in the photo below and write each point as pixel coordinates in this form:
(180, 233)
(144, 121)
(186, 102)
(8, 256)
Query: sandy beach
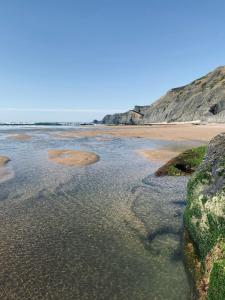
(167, 132)
(180, 132)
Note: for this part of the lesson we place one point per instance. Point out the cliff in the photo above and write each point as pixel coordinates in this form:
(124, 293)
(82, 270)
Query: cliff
(204, 221)
(203, 99)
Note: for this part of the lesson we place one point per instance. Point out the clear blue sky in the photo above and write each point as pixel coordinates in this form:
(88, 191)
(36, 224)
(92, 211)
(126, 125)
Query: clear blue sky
(77, 60)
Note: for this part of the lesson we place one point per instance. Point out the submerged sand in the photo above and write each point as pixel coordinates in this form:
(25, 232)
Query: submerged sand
(4, 160)
(5, 172)
(72, 157)
(178, 132)
(20, 137)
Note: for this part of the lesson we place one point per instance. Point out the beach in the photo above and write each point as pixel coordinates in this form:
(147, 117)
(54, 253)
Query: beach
(168, 132)
(83, 205)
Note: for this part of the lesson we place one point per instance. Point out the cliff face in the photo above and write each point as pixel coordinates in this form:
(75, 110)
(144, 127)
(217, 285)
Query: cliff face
(131, 117)
(203, 99)
(205, 221)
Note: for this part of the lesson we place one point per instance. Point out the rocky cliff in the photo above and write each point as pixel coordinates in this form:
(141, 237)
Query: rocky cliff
(204, 220)
(203, 99)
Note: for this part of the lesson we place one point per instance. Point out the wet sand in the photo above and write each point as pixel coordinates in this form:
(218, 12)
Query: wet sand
(181, 132)
(72, 158)
(161, 155)
(20, 137)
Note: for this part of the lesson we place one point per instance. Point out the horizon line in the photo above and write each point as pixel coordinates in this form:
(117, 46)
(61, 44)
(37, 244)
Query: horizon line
(78, 110)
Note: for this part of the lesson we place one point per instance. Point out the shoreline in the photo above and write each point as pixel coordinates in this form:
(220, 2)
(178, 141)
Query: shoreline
(175, 132)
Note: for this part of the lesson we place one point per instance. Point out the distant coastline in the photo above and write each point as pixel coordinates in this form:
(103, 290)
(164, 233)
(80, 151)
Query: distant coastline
(46, 124)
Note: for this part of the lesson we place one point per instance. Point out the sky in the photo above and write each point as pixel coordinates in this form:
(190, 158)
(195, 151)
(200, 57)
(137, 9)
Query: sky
(77, 60)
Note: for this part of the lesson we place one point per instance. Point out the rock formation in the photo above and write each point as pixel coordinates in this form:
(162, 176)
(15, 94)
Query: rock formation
(183, 164)
(203, 99)
(204, 220)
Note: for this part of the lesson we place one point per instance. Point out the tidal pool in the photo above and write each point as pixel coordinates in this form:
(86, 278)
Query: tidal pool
(106, 231)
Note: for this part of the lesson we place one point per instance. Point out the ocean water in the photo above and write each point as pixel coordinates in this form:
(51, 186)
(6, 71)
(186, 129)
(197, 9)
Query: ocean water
(106, 231)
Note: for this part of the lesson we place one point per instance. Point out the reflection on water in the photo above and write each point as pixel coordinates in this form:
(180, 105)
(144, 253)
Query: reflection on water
(104, 231)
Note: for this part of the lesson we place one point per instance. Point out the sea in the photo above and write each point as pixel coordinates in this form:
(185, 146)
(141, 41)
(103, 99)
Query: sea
(106, 231)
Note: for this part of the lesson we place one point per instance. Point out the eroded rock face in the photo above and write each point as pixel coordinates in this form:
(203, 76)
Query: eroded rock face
(203, 99)
(205, 220)
(131, 117)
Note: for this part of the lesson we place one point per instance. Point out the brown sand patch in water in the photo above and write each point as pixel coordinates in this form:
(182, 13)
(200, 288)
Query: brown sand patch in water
(20, 137)
(72, 157)
(158, 154)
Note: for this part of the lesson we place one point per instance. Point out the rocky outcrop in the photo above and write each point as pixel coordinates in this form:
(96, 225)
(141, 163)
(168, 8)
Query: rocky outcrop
(131, 117)
(203, 99)
(183, 164)
(204, 220)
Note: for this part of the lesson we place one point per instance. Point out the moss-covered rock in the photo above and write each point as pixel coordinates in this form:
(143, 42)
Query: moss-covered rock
(204, 220)
(184, 164)
(217, 281)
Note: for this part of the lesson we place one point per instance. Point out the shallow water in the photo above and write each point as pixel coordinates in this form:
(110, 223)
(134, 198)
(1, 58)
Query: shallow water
(110, 230)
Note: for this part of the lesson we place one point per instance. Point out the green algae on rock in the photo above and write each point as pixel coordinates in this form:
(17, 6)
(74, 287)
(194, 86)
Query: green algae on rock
(184, 164)
(204, 220)
(217, 281)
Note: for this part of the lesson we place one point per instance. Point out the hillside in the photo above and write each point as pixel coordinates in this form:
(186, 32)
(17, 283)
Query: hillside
(202, 99)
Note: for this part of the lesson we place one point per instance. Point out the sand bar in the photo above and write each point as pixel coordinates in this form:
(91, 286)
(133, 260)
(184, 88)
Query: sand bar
(72, 157)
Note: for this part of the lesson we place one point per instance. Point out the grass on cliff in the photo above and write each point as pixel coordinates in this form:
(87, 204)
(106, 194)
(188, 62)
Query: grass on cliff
(184, 164)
